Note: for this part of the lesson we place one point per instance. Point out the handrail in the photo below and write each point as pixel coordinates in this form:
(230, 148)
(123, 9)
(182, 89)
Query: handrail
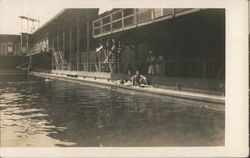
(128, 16)
(109, 15)
(99, 29)
(111, 22)
(116, 20)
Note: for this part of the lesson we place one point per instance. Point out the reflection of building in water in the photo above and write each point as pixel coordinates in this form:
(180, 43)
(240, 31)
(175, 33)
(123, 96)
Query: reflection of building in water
(183, 48)
(90, 120)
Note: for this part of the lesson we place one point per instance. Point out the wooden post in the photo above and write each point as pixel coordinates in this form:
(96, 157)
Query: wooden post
(88, 40)
(78, 43)
(63, 47)
(99, 60)
(29, 67)
(93, 28)
(173, 13)
(136, 55)
(30, 61)
(53, 49)
(122, 18)
(101, 25)
(153, 14)
(111, 23)
(135, 14)
(70, 46)
(57, 40)
(63, 40)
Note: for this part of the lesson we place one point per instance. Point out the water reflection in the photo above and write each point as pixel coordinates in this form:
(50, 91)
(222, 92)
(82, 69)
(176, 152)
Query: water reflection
(57, 113)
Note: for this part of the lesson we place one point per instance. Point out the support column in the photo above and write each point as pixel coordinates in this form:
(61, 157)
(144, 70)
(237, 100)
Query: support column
(63, 40)
(136, 56)
(70, 46)
(53, 49)
(78, 44)
(30, 61)
(88, 39)
(52, 41)
(57, 40)
(63, 46)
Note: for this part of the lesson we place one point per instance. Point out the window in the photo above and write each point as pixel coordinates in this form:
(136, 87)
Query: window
(16, 49)
(3, 49)
(10, 47)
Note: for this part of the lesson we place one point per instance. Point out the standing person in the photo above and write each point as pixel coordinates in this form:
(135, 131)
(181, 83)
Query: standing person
(158, 65)
(151, 63)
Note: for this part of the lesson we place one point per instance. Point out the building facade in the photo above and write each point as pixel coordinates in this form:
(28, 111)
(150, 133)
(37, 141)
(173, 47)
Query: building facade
(172, 47)
(10, 45)
(67, 37)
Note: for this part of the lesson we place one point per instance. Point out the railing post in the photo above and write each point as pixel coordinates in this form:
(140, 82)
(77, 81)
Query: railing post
(77, 43)
(153, 14)
(57, 39)
(52, 61)
(63, 39)
(70, 46)
(93, 29)
(88, 39)
(122, 18)
(111, 22)
(101, 25)
(99, 60)
(173, 13)
(135, 14)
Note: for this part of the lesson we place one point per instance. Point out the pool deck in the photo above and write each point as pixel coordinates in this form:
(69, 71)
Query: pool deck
(153, 90)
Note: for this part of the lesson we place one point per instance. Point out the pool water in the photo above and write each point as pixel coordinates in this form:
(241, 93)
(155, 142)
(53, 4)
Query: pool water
(57, 113)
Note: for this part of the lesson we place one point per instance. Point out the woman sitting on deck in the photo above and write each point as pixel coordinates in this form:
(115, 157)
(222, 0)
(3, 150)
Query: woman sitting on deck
(135, 80)
(139, 80)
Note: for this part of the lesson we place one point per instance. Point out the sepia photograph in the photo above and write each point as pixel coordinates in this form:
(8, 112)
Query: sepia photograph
(85, 76)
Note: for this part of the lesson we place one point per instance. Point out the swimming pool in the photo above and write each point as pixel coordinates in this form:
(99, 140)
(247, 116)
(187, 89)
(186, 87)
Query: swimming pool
(59, 113)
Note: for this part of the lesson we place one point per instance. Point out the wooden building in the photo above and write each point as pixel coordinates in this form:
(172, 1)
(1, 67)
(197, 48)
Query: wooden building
(68, 35)
(188, 45)
(10, 45)
(10, 53)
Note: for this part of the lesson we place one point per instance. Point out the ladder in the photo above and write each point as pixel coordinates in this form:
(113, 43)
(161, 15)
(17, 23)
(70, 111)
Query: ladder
(60, 62)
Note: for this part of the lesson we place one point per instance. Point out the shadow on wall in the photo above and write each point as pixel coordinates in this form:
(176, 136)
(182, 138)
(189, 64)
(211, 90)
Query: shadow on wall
(9, 63)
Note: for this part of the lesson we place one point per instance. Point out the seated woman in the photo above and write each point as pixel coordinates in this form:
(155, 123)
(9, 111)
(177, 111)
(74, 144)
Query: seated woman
(126, 82)
(139, 80)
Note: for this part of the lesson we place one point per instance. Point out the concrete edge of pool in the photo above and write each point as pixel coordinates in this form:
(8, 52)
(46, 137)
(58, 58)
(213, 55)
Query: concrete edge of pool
(158, 91)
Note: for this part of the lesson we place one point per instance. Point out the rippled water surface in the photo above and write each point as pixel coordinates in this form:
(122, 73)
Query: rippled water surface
(59, 113)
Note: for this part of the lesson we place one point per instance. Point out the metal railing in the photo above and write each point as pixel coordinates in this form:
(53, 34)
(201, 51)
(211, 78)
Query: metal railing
(123, 19)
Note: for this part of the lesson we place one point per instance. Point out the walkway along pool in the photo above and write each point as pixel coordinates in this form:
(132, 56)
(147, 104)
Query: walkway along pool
(151, 90)
(59, 113)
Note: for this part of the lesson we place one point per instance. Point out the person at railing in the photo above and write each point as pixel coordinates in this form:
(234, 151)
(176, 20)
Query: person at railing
(96, 63)
(159, 65)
